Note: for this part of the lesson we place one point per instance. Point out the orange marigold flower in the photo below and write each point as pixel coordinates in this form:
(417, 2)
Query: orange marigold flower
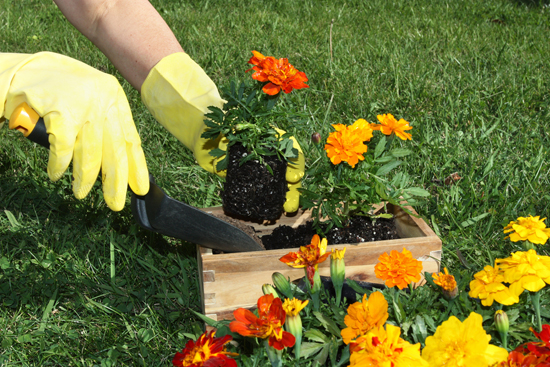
(347, 143)
(280, 74)
(207, 351)
(308, 257)
(388, 125)
(398, 268)
(269, 323)
(445, 281)
(365, 315)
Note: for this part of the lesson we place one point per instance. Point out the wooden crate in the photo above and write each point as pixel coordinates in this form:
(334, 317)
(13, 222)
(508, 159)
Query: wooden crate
(233, 280)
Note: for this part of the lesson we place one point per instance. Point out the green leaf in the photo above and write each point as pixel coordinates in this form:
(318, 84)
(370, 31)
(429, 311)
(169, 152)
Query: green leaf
(356, 287)
(385, 169)
(473, 220)
(400, 152)
(217, 152)
(417, 191)
(328, 323)
(145, 335)
(309, 349)
(14, 223)
(380, 147)
(222, 165)
(317, 336)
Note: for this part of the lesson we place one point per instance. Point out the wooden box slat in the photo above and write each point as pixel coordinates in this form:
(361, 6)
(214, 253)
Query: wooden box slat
(233, 280)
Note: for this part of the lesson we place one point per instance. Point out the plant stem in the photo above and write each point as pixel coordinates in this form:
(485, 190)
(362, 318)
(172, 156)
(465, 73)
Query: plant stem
(273, 354)
(535, 299)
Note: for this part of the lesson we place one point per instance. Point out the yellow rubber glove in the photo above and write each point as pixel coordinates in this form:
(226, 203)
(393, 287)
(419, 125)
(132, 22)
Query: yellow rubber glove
(178, 93)
(87, 117)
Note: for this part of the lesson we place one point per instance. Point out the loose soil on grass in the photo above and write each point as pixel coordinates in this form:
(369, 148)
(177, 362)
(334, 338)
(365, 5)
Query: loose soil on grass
(360, 229)
(250, 191)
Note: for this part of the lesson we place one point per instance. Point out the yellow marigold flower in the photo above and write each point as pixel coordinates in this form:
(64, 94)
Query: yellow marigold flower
(457, 343)
(525, 270)
(398, 268)
(388, 125)
(338, 254)
(530, 229)
(385, 348)
(487, 286)
(365, 315)
(293, 306)
(346, 144)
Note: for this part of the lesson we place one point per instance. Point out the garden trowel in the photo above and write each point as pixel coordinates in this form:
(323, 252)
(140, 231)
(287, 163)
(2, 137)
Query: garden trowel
(157, 211)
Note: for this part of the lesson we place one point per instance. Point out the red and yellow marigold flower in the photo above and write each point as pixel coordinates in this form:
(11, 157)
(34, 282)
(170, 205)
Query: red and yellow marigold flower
(518, 359)
(388, 125)
(398, 268)
(457, 343)
(525, 270)
(364, 316)
(279, 74)
(269, 323)
(488, 287)
(347, 143)
(207, 351)
(309, 257)
(385, 348)
(530, 229)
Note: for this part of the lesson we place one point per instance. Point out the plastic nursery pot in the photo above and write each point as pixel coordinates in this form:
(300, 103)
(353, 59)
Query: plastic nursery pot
(250, 191)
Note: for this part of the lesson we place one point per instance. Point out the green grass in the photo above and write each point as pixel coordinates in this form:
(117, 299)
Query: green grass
(472, 77)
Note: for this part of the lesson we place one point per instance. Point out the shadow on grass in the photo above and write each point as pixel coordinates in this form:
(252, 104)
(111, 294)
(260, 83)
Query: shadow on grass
(533, 3)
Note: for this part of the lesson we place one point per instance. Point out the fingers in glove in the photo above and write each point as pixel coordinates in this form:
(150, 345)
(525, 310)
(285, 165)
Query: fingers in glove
(292, 198)
(114, 167)
(61, 146)
(87, 158)
(138, 175)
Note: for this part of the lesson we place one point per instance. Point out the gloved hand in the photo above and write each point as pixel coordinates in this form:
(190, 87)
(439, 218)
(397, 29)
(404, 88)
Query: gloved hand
(178, 93)
(87, 117)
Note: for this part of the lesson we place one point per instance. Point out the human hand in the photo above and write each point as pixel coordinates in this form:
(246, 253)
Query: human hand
(87, 117)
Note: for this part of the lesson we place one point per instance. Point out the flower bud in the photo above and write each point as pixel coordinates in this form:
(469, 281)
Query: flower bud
(315, 138)
(282, 284)
(502, 325)
(268, 289)
(338, 272)
(501, 321)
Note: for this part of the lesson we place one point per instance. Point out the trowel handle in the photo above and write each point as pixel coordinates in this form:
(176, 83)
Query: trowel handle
(26, 120)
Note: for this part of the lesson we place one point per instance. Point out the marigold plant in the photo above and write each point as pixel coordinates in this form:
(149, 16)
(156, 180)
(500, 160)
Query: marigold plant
(207, 351)
(398, 268)
(353, 174)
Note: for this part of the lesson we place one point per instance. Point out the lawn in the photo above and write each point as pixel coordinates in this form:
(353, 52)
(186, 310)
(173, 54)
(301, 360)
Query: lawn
(83, 286)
